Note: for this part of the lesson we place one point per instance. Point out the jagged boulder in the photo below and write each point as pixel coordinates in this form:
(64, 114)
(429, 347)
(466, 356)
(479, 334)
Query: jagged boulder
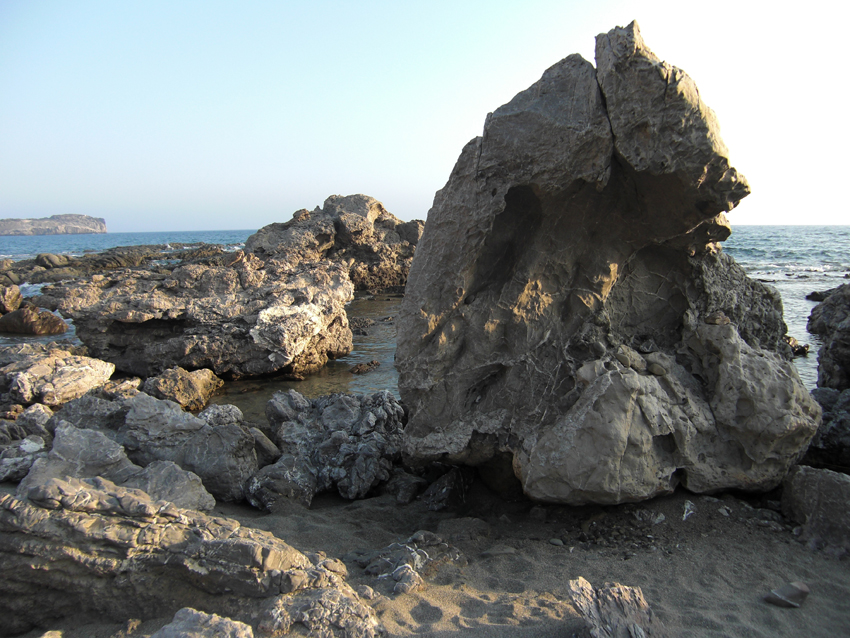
(248, 318)
(569, 304)
(356, 230)
(10, 298)
(130, 556)
(831, 320)
(341, 441)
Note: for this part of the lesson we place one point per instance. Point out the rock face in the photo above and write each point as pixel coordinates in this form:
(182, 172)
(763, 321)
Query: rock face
(130, 556)
(356, 230)
(830, 447)
(569, 306)
(831, 320)
(54, 225)
(245, 319)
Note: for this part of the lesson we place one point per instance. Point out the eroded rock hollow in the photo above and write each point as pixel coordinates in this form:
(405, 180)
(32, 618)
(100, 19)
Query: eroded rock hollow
(569, 315)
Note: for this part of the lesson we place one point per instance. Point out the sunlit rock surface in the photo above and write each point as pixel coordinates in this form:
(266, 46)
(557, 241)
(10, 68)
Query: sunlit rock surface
(568, 314)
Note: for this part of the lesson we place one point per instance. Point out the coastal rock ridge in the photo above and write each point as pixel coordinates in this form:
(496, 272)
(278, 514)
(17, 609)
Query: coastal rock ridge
(54, 225)
(570, 318)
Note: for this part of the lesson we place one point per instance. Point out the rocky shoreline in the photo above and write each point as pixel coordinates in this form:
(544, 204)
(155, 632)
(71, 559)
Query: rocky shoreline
(53, 225)
(590, 390)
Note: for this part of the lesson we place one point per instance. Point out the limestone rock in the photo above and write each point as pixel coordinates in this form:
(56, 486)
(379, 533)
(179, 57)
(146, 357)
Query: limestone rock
(831, 320)
(245, 319)
(49, 375)
(167, 481)
(577, 236)
(192, 390)
(337, 441)
(614, 611)
(29, 320)
(356, 230)
(191, 623)
(17, 458)
(10, 298)
(130, 556)
(818, 500)
(222, 454)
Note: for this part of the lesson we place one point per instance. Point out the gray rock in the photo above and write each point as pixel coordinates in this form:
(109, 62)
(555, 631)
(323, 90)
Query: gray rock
(346, 442)
(36, 420)
(113, 543)
(817, 499)
(157, 430)
(192, 390)
(267, 451)
(357, 231)
(49, 374)
(577, 236)
(167, 481)
(831, 320)
(614, 610)
(17, 459)
(224, 457)
(92, 413)
(244, 319)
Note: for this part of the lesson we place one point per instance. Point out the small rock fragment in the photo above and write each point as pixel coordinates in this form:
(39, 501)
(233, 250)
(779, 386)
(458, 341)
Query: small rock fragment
(790, 595)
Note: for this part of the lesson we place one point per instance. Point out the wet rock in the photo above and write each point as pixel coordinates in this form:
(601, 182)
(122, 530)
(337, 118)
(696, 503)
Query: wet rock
(10, 298)
(575, 244)
(30, 320)
(49, 374)
(831, 320)
(614, 610)
(363, 368)
(192, 390)
(357, 231)
(339, 441)
(113, 543)
(797, 348)
(817, 500)
(246, 319)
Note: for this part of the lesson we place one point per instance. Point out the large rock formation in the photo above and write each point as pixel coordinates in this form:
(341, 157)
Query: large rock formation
(356, 230)
(244, 319)
(569, 315)
(831, 320)
(54, 225)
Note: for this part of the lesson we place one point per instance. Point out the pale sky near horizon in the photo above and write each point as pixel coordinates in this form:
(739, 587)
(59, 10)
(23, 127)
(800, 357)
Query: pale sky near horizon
(204, 115)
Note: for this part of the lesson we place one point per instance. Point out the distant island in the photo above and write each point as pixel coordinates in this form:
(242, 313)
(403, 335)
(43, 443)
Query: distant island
(54, 225)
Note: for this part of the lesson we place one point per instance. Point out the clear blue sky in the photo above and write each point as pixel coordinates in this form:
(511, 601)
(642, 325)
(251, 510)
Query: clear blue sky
(211, 115)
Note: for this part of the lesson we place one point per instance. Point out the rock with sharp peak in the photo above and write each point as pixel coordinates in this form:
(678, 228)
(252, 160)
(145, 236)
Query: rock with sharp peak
(561, 307)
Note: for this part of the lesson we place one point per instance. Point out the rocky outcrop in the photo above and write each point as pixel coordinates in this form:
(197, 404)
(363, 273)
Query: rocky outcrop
(10, 298)
(192, 390)
(54, 225)
(831, 320)
(357, 230)
(50, 374)
(88, 546)
(569, 305)
(341, 441)
(245, 319)
(29, 320)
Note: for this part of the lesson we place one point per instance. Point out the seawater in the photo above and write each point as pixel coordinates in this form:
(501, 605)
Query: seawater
(796, 260)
